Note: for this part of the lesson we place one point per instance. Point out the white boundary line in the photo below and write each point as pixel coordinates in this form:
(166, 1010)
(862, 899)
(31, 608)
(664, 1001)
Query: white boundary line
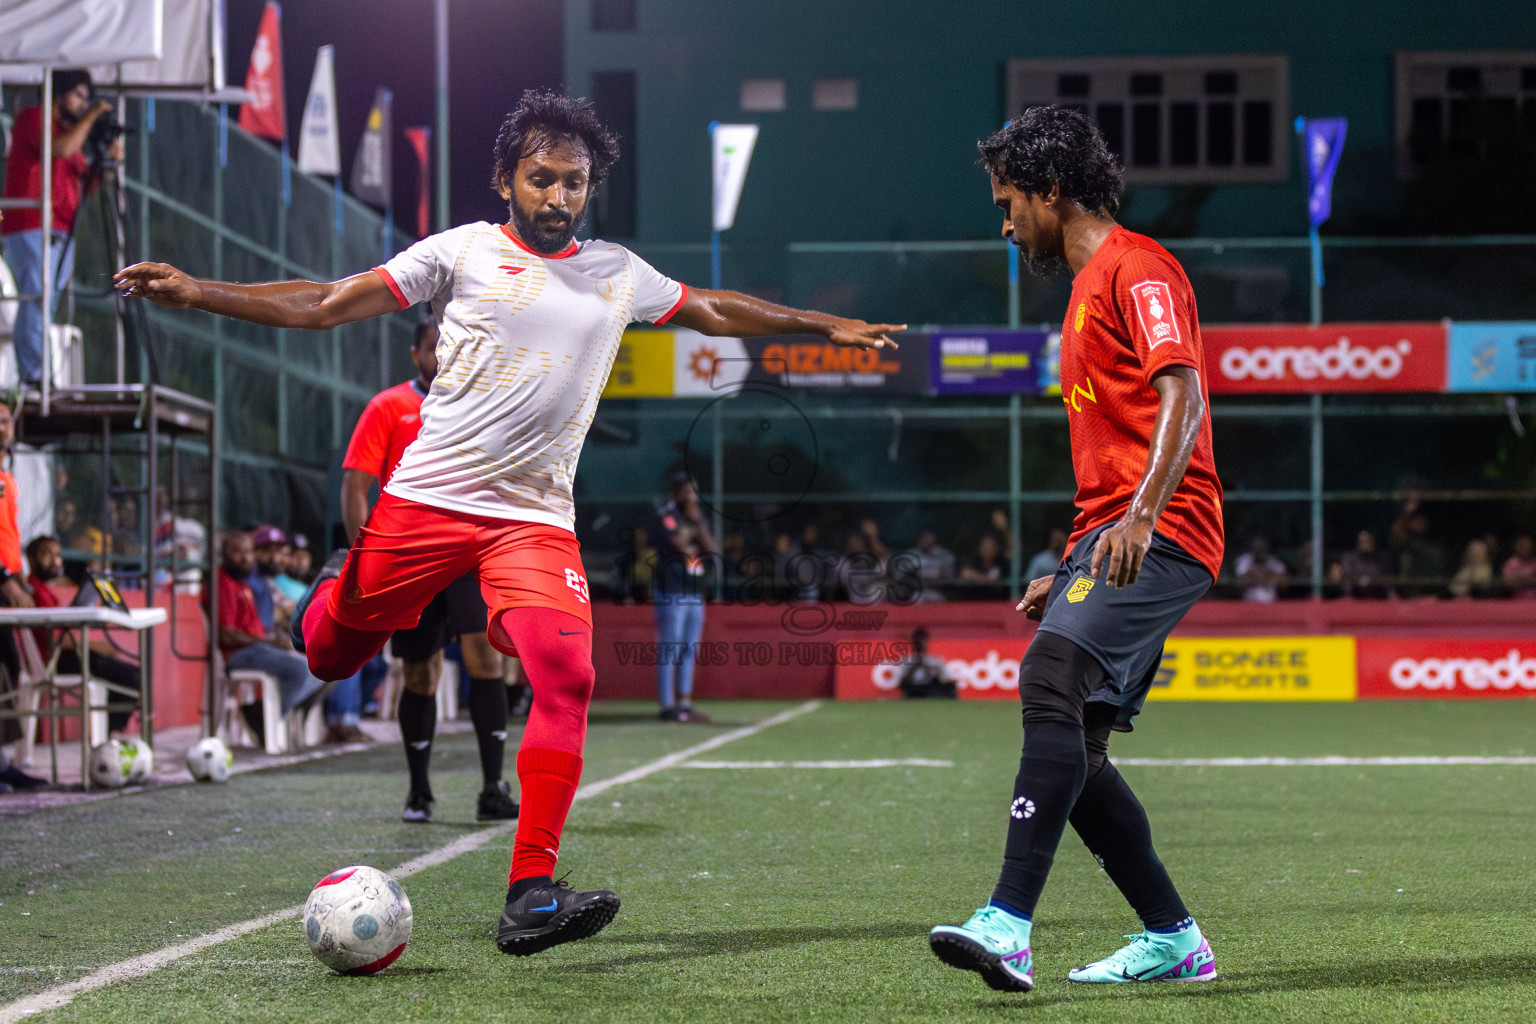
(888, 762)
(1312, 762)
(147, 963)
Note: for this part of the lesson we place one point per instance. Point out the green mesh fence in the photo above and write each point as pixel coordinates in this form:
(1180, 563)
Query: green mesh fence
(206, 197)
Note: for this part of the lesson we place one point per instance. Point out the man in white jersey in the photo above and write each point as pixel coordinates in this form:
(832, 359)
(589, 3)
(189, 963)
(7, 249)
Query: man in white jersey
(530, 322)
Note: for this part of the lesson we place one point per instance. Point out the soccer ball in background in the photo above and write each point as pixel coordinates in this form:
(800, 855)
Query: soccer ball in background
(357, 920)
(111, 764)
(143, 760)
(209, 760)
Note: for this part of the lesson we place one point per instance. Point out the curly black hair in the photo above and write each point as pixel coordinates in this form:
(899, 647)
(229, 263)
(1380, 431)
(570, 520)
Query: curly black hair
(544, 117)
(1055, 145)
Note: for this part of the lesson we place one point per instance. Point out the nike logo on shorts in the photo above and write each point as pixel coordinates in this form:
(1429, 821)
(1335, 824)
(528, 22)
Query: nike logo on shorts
(572, 632)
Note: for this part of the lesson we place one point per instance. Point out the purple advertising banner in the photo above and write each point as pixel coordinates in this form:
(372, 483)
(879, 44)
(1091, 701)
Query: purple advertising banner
(986, 362)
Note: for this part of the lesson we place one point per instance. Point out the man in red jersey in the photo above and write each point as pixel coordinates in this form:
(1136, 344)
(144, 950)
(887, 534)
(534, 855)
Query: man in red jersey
(70, 121)
(530, 321)
(1147, 543)
(13, 589)
(388, 425)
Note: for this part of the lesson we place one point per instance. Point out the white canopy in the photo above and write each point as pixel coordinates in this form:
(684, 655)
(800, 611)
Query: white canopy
(157, 47)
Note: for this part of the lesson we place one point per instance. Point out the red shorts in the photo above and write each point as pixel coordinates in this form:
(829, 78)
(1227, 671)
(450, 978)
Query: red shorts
(408, 552)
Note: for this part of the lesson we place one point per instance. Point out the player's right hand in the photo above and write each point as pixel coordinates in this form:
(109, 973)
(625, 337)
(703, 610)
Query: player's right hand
(1033, 605)
(160, 283)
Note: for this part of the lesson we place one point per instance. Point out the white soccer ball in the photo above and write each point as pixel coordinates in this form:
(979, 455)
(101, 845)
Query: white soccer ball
(112, 764)
(209, 760)
(357, 920)
(143, 760)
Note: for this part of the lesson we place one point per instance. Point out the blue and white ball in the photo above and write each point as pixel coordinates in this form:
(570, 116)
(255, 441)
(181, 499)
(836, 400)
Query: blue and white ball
(209, 760)
(357, 920)
(111, 764)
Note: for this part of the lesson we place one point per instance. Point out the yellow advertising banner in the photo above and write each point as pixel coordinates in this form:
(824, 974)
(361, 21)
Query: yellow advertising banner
(643, 367)
(1257, 668)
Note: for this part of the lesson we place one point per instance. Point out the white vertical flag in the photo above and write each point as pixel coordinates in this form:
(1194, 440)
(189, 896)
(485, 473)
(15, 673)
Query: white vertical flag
(732, 152)
(319, 137)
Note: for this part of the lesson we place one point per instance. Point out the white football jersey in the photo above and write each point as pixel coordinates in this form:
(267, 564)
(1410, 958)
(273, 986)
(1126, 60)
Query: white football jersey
(525, 348)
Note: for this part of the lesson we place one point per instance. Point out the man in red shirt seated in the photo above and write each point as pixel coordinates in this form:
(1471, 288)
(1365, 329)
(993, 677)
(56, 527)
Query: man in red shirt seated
(73, 116)
(245, 642)
(46, 559)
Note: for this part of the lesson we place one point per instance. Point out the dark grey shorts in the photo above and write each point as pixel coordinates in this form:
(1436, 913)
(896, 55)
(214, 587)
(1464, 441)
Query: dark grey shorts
(1124, 629)
(458, 609)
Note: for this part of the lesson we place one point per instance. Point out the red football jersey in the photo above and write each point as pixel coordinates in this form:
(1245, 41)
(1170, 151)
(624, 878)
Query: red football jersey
(10, 533)
(24, 176)
(385, 430)
(1133, 314)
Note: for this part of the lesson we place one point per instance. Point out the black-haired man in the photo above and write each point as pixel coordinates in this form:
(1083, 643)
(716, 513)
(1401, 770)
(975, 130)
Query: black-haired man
(73, 116)
(530, 323)
(389, 424)
(1147, 543)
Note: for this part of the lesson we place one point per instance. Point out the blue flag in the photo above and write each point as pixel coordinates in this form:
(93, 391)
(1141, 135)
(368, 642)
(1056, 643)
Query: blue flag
(1323, 138)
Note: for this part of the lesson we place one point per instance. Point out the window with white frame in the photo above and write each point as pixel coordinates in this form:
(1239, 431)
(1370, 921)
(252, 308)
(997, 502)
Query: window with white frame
(1469, 103)
(1173, 120)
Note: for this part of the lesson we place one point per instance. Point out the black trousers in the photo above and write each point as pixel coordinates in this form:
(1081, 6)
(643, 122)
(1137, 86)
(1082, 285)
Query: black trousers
(112, 670)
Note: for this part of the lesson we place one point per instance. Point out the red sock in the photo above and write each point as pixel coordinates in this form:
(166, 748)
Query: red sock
(556, 651)
(548, 779)
(336, 651)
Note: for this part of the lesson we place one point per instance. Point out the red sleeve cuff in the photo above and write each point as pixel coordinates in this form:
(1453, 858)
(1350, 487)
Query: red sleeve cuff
(682, 298)
(394, 288)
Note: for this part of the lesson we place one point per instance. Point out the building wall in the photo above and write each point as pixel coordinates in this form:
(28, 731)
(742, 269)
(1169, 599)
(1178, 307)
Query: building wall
(931, 79)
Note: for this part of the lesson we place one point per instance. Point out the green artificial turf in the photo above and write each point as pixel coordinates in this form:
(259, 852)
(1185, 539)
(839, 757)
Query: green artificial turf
(780, 894)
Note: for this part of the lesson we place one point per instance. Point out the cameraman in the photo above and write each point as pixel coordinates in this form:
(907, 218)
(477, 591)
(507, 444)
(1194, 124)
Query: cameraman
(21, 232)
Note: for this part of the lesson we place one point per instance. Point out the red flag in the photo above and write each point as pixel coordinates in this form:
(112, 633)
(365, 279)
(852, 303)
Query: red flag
(265, 115)
(418, 138)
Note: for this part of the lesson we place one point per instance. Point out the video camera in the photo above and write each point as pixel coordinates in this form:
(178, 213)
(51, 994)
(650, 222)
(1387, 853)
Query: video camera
(98, 144)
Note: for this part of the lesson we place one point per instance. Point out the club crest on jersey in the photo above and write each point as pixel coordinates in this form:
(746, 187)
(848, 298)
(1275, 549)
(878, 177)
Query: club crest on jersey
(1154, 308)
(577, 582)
(1079, 590)
(1082, 315)
(607, 289)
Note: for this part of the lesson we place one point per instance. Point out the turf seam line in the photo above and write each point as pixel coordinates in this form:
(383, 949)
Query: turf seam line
(884, 762)
(1331, 761)
(147, 963)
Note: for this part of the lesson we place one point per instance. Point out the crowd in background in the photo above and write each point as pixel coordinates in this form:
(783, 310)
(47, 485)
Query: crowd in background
(1409, 561)
(861, 566)
(1412, 563)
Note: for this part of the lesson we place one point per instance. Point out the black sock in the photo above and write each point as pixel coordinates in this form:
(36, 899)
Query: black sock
(1051, 774)
(488, 711)
(418, 723)
(522, 885)
(1114, 827)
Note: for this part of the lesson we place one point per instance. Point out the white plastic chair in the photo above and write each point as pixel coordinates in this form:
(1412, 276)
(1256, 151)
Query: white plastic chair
(394, 683)
(241, 686)
(35, 681)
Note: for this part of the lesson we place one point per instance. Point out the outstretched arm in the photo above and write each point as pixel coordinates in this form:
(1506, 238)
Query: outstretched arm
(1180, 409)
(306, 304)
(734, 315)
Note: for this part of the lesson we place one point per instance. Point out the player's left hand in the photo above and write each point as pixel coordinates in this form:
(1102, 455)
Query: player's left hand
(1120, 550)
(1033, 605)
(863, 335)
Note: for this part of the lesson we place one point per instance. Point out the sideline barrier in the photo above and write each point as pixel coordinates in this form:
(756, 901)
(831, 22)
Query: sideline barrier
(1334, 650)
(1441, 669)
(1273, 668)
